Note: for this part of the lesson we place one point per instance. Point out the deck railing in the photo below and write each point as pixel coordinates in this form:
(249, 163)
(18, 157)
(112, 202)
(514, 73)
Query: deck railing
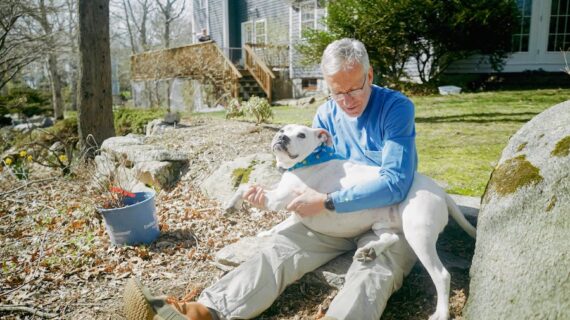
(259, 70)
(273, 55)
(201, 61)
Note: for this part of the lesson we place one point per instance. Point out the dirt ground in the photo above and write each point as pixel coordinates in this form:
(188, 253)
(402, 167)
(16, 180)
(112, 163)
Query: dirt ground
(57, 259)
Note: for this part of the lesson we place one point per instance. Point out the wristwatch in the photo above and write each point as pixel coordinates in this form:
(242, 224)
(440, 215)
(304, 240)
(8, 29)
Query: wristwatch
(329, 204)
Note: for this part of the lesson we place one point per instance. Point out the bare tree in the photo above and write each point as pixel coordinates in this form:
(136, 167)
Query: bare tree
(129, 28)
(71, 6)
(169, 14)
(142, 14)
(40, 12)
(17, 49)
(95, 96)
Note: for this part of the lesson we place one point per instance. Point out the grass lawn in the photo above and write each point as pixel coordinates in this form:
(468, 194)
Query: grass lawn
(460, 138)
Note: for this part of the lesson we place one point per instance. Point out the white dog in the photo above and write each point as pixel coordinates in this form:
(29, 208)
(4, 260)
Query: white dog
(420, 217)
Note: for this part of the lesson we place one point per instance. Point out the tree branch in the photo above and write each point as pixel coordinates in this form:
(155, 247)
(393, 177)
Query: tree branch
(26, 309)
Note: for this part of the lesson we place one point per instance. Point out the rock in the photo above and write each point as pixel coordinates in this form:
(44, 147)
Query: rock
(254, 169)
(24, 127)
(46, 122)
(131, 164)
(158, 173)
(128, 140)
(172, 118)
(520, 267)
(154, 127)
(57, 146)
(304, 102)
(130, 151)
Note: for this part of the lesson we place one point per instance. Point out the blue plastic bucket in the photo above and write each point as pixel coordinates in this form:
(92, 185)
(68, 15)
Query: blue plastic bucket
(134, 223)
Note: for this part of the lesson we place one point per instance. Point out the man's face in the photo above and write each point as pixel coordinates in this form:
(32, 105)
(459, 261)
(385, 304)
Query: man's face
(351, 89)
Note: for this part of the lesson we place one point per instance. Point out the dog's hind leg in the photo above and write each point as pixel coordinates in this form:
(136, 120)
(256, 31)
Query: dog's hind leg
(423, 240)
(371, 250)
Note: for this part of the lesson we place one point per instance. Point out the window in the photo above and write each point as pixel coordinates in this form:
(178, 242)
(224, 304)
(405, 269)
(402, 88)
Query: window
(308, 16)
(521, 35)
(247, 32)
(309, 84)
(559, 32)
(254, 31)
(260, 32)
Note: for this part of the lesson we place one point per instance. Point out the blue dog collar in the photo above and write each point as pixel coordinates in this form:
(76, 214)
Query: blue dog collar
(321, 154)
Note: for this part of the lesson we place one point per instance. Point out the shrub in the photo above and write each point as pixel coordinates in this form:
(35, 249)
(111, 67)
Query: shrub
(129, 120)
(234, 109)
(26, 101)
(258, 108)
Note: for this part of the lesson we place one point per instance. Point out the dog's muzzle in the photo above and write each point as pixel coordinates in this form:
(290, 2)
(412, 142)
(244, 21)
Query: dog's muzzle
(280, 143)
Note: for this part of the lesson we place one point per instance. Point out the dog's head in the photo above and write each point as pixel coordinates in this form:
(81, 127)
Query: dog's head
(293, 143)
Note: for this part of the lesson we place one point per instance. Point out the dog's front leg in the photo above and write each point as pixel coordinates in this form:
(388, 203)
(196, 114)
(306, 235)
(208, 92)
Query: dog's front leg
(371, 250)
(278, 199)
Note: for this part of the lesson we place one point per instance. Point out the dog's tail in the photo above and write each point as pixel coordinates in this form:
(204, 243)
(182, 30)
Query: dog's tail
(459, 217)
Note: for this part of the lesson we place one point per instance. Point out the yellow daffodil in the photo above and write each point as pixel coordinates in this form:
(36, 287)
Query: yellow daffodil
(29, 158)
(23, 154)
(62, 158)
(8, 161)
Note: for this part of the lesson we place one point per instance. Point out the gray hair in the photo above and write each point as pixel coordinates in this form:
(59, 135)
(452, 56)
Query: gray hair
(344, 54)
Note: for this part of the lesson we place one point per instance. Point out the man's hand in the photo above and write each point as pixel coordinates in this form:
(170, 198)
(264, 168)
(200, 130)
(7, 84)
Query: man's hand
(256, 196)
(308, 202)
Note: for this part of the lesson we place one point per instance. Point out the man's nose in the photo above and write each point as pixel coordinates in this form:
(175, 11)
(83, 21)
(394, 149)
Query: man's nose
(344, 98)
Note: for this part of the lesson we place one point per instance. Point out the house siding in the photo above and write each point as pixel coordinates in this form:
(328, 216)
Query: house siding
(297, 69)
(200, 16)
(216, 20)
(275, 13)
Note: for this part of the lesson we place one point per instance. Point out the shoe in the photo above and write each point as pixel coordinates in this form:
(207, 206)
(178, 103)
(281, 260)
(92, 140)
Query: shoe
(140, 304)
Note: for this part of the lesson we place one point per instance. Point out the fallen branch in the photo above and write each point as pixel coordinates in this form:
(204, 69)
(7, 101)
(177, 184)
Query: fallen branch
(26, 184)
(26, 309)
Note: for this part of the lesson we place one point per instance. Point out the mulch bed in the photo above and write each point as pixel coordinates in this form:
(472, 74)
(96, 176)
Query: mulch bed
(57, 258)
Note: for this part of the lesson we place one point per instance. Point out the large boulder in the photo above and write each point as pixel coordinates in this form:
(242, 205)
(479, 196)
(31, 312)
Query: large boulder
(522, 260)
(253, 169)
(132, 163)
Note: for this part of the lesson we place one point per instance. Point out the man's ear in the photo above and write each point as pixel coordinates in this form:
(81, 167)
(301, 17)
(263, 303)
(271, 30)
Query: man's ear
(325, 137)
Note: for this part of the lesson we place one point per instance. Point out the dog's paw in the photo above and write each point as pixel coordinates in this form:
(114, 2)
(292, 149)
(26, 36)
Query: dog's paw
(365, 254)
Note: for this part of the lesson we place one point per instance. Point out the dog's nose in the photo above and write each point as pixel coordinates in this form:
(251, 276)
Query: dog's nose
(283, 138)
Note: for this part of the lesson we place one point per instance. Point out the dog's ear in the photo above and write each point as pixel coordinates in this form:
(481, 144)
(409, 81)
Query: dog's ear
(325, 137)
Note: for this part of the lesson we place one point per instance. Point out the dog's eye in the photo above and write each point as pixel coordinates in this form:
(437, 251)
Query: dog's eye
(281, 131)
(301, 135)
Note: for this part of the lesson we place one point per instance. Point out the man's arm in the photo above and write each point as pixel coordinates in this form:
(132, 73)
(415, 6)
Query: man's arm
(399, 162)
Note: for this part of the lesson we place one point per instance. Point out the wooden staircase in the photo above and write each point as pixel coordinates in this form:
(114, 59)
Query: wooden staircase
(248, 86)
(259, 71)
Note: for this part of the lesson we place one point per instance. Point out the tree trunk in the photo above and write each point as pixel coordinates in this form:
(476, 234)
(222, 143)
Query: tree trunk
(73, 42)
(57, 101)
(95, 93)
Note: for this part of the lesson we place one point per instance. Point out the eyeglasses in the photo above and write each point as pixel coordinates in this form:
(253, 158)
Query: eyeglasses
(352, 93)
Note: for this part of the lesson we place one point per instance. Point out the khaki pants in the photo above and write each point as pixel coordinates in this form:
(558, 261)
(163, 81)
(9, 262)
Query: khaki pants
(252, 287)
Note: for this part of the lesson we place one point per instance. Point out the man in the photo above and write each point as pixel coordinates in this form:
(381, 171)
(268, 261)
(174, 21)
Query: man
(368, 124)
(203, 36)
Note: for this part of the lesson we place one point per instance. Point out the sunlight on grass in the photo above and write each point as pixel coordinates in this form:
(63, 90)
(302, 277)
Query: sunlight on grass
(460, 138)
